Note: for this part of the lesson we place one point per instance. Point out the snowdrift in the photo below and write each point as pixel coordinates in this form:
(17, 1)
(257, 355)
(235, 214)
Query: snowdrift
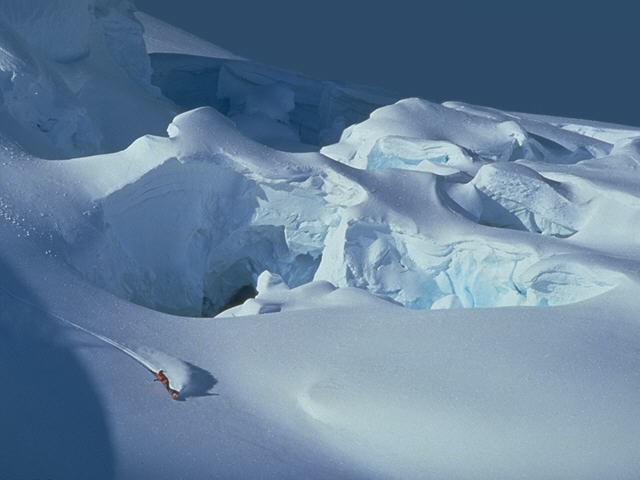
(305, 261)
(186, 232)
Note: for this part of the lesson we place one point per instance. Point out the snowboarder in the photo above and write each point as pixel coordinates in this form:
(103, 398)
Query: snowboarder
(162, 378)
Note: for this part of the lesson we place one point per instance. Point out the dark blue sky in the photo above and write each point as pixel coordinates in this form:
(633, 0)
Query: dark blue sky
(573, 58)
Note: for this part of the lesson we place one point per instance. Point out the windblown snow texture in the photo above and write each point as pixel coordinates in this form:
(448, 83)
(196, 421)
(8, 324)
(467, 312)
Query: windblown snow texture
(342, 238)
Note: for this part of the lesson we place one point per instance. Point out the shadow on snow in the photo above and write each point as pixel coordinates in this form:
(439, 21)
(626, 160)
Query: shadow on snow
(53, 423)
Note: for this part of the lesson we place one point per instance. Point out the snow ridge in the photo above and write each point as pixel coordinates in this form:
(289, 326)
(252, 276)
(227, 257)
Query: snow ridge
(366, 260)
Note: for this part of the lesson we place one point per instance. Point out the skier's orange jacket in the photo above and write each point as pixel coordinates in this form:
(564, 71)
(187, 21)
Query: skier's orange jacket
(162, 378)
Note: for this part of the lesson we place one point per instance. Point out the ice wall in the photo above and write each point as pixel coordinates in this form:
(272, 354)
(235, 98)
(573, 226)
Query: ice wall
(36, 103)
(431, 205)
(317, 111)
(76, 86)
(189, 231)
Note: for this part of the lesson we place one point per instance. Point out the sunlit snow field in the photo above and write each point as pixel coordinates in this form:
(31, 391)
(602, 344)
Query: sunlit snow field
(338, 282)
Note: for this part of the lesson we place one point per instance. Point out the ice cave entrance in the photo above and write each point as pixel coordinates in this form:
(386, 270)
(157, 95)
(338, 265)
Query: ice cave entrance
(241, 295)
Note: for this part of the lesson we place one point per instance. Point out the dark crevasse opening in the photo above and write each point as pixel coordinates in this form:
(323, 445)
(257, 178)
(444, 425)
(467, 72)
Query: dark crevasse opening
(240, 296)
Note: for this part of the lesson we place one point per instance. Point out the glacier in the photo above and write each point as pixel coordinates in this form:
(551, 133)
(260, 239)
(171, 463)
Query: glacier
(341, 283)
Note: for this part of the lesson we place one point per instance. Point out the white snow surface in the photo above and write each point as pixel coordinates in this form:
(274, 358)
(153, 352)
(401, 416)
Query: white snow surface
(365, 353)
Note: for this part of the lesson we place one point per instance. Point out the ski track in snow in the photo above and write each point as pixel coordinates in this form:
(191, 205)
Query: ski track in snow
(188, 379)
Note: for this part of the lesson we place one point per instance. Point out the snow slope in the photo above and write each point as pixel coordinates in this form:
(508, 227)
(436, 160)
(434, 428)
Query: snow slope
(160, 37)
(75, 77)
(372, 235)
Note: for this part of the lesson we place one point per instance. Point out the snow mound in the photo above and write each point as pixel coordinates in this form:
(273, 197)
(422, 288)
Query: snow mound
(230, 228)
(275, 296)
(186, 224)
(525, 198)
(484, 137)
(487, 134)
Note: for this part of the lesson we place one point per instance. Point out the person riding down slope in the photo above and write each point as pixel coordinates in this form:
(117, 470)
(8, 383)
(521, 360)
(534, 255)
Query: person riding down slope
(162, 378)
